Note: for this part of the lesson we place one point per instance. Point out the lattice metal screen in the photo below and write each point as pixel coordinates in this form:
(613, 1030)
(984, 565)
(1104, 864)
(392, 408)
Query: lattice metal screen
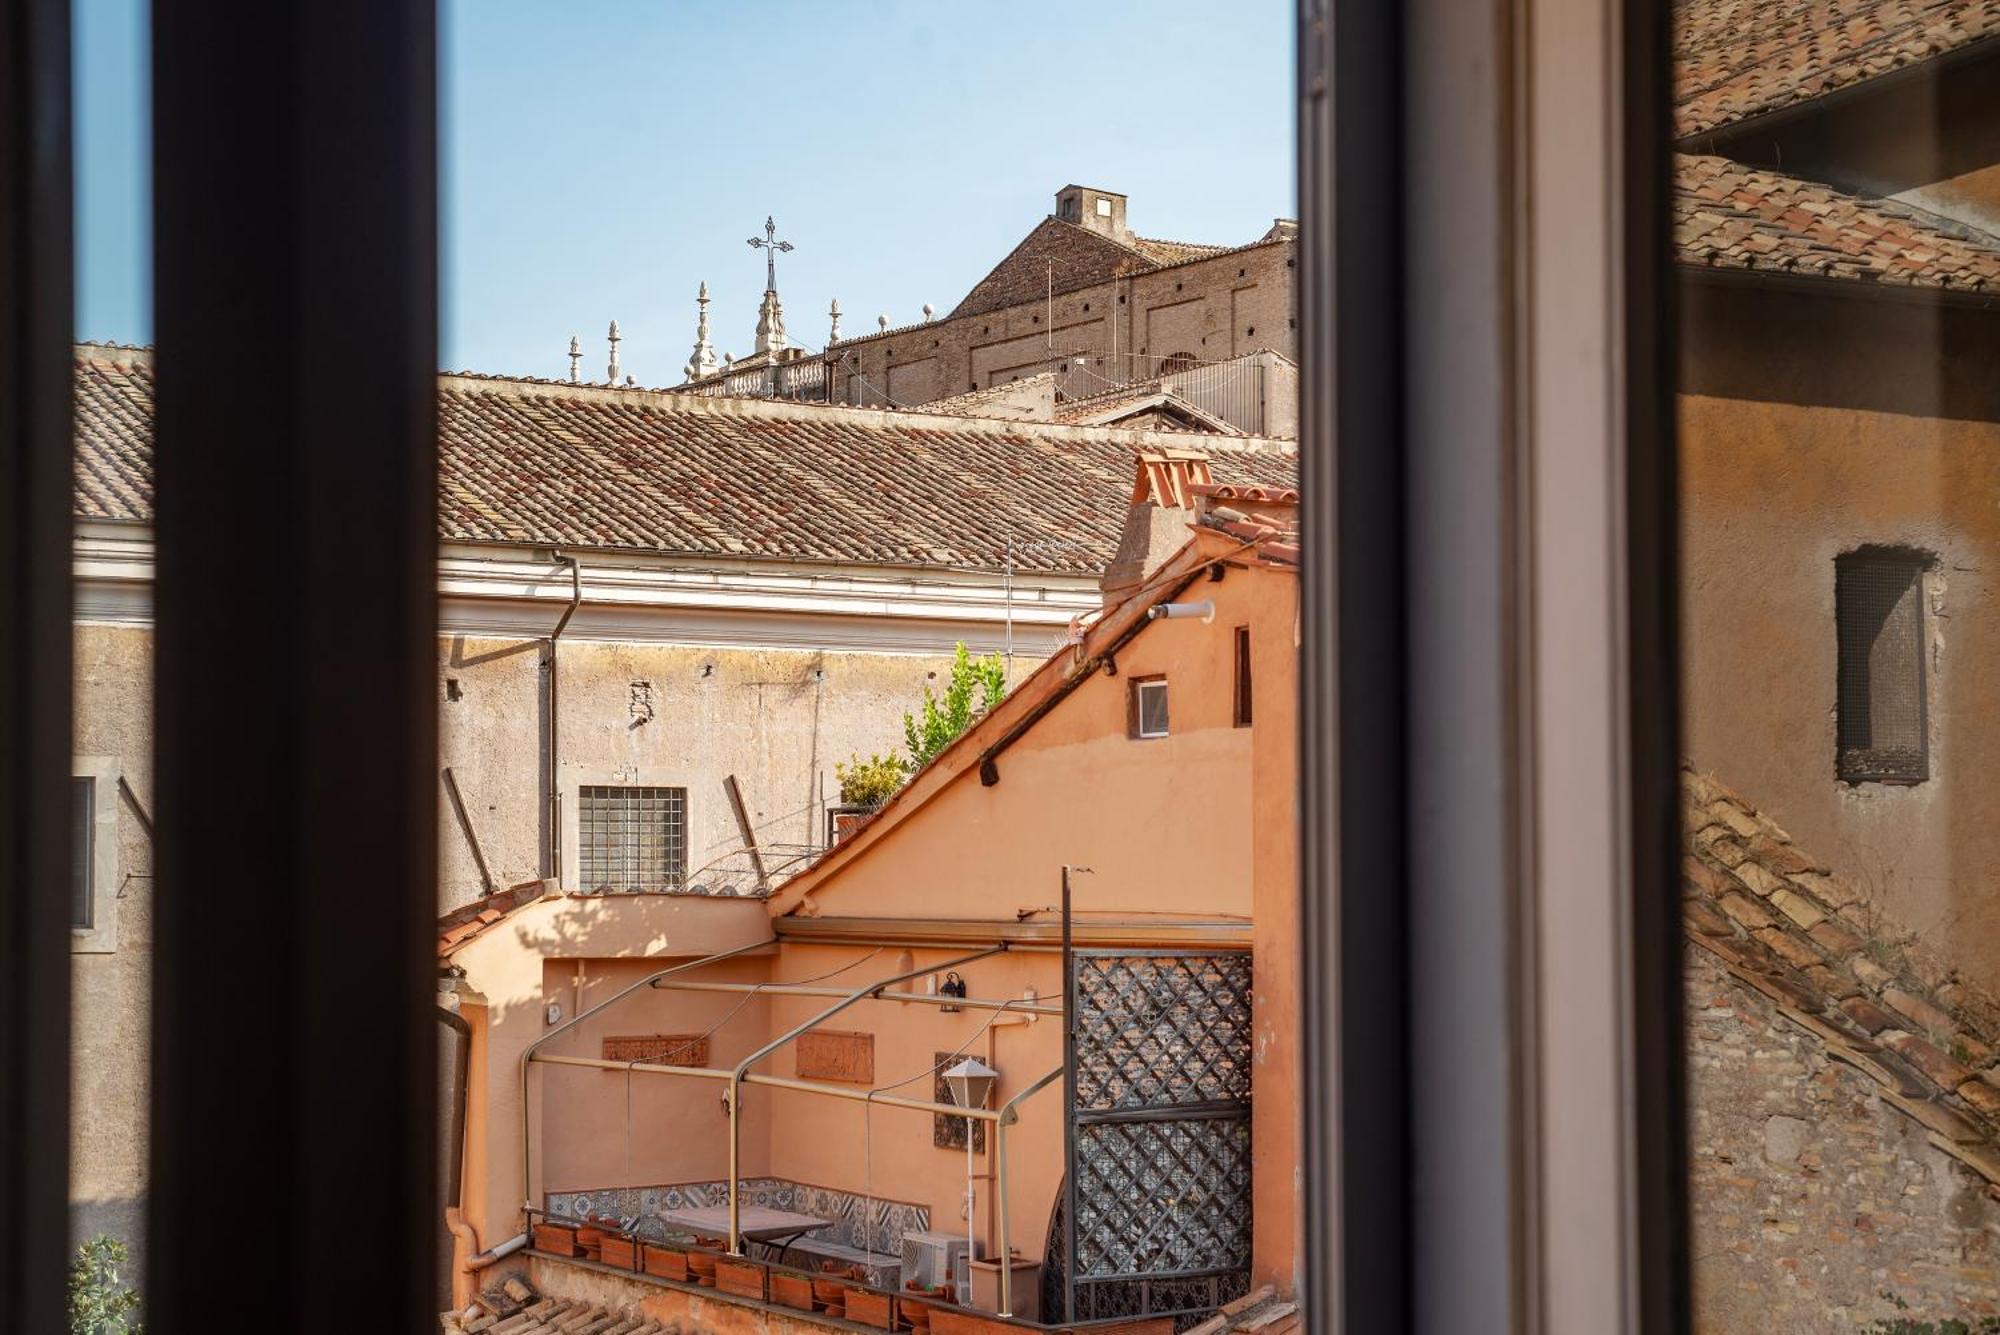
(1159, 1138)
(1878, 603)
(632, 838)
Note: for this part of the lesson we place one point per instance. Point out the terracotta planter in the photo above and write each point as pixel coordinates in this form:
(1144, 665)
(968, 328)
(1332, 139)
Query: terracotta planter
(829, 1295)
(555, 1239)
(869, 1308)
(914, 1314)
(792, 1290)
(621, 1252)
(745, 1279)
(701, 1265)
(665, 1262)
(591, 1239)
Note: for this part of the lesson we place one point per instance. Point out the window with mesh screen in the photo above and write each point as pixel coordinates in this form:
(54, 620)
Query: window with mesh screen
(1879, 604)
(632, 838)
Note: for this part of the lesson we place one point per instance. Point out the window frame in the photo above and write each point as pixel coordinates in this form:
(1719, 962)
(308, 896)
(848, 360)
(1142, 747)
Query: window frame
(1242, 687)
(100, 935)
(579, 791)
(1862, 765)
(1135, 707)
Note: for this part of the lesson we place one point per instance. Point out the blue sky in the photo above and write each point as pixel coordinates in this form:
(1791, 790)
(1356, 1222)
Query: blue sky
(599, 161)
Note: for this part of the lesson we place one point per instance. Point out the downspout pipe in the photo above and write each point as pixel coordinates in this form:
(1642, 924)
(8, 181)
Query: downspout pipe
(464, 1241)
(528, 1055)
(552, 794)
(1009, 1114)
(736, 1075)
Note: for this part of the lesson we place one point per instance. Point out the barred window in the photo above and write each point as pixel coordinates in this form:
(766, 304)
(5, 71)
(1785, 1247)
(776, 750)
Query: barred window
(632, 838)
(1879, 605)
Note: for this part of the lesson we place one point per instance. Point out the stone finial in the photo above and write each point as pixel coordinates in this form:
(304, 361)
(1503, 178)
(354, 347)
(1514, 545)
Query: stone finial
(929, 311)
(882, 323)
(702, 361)
(833, 331)
(611, 372)
(575, 359)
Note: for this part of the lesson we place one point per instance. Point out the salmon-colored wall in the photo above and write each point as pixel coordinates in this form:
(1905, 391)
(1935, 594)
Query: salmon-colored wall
(1874, 427)
(509, 974)
(890, 1151)
(1164, 824)
(1277, 1150)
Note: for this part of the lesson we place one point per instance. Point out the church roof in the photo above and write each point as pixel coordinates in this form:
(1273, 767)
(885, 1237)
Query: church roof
(550, 463)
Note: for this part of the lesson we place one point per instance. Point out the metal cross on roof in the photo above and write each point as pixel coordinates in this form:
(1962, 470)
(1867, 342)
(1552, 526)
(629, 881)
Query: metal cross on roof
(770, 245)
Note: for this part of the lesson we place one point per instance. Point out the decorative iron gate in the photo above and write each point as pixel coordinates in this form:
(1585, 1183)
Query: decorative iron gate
(1157, 1099)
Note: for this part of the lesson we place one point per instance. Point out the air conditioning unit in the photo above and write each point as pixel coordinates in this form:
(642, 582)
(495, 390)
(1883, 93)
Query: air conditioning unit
(932, 1260)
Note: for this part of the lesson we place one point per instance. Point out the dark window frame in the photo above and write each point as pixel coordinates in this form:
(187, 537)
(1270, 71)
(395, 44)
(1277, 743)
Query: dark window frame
(83, 852)
(1242, 694)
(1860, 756)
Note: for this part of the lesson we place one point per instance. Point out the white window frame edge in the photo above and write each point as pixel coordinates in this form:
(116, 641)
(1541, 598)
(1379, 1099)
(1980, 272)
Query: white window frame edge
(101, 937)
(1139, 688)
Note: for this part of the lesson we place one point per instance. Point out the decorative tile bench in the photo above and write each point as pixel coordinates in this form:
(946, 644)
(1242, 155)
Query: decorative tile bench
(866, 1231)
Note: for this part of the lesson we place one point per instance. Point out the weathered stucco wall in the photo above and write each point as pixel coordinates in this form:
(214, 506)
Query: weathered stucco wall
(1816, 1206)
(1876, 427)
(111, 975)
(672, 715)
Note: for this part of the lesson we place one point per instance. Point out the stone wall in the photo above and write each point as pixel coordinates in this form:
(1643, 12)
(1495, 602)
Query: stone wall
(1816, 1205)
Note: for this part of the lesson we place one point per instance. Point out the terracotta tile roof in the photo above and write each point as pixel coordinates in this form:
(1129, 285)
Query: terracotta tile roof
(462, 925)
(1113, 406)
(1734, 59)
(549, 463)
(514, 1308)
(1787, 925)
(982, 402)
(1729, 216)
(1173, 252)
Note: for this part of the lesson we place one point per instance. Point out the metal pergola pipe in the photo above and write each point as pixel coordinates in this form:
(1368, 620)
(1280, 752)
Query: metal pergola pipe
(1007, 1117)
(736, 1075)
(528, 1054)
(923, 999)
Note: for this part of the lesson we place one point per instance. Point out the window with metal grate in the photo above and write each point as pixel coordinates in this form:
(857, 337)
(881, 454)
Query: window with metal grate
(632, 838)
(1879, 608)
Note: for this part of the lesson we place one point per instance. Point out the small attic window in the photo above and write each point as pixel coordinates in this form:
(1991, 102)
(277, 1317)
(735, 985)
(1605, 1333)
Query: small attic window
(1148, 707)
(1103, 207)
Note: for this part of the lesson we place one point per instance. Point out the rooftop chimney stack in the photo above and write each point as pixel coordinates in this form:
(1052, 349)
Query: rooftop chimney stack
(1097, 210)
(1156, 524)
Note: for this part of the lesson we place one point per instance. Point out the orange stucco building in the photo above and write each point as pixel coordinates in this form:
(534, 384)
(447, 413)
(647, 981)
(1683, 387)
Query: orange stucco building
(1153, 758)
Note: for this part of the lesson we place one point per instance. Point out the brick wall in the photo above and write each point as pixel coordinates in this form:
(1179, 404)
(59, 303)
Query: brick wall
(1812, 1197)
(1212, 309)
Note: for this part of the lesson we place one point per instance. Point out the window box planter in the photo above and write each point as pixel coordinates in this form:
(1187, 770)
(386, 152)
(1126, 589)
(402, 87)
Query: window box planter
(665, 1262)
(622, 1252)
(556, 1240)
(701, 1265)
(829, 1295)
(869, 1308)
(790, 1290)
(745, 1279)
(590, 1238)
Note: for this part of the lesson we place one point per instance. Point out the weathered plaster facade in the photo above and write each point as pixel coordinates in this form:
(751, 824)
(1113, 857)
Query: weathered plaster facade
(1878, 424)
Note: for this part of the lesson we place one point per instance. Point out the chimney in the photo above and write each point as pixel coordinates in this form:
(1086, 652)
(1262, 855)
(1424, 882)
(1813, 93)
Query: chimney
(1098, 210)
(1156, 524)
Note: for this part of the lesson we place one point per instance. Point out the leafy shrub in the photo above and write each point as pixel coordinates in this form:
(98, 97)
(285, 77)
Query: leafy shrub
(870, 782)
(941, 720)
(100, 1302)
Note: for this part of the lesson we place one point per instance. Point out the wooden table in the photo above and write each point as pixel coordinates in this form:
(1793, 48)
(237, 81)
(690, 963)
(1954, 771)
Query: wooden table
(756, 1223)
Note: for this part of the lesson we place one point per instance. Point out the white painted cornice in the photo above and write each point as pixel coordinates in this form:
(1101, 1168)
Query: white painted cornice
(519, 592)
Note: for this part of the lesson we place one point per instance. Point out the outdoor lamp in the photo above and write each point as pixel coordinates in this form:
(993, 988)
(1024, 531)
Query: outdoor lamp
(970, 1082)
